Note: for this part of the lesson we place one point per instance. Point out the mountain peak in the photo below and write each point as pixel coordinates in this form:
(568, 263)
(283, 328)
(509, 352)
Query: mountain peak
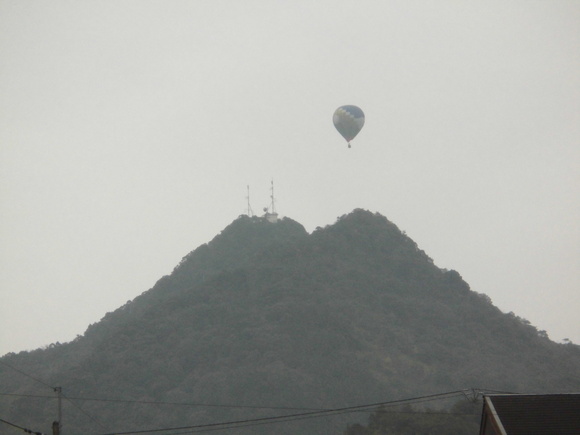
(266, 313)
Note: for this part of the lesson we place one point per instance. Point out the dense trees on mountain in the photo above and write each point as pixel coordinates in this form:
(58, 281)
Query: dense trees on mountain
(462, 418)
(267, 319)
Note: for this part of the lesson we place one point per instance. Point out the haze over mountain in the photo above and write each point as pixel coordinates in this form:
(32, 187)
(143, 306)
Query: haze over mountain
(267, 319)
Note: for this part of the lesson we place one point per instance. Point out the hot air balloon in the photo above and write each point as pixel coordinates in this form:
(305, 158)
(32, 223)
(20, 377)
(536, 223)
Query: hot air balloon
(348, 120)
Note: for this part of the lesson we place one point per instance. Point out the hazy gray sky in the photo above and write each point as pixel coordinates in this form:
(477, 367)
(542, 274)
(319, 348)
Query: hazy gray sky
(130, 129)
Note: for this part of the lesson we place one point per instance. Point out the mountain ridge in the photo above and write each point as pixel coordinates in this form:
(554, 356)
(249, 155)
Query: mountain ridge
(352, 313)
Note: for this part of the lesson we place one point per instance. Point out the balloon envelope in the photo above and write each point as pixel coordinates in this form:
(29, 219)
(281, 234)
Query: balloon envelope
(348, 120)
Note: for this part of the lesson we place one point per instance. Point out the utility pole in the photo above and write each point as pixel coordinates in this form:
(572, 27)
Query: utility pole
(56, 425)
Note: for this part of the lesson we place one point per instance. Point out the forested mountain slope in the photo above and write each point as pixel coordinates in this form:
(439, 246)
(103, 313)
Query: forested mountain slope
(267, 316)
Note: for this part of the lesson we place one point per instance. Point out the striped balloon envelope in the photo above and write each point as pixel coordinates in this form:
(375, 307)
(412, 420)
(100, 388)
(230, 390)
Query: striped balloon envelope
(349, 121)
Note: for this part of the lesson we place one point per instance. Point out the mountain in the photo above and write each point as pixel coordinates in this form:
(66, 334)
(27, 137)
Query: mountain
(267, 320)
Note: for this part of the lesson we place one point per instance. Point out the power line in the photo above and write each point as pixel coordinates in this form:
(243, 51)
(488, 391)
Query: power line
(27, 375)
(214, 405)
(20, 427)
(249, 423)
(289, 418)
(94, 420)
(56, 389)
(312, 412)
(292, 417)
(315, 416)
(154, 402)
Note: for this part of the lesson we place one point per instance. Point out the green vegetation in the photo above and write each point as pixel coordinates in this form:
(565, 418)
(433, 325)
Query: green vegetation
(267, 315)
(463, 418)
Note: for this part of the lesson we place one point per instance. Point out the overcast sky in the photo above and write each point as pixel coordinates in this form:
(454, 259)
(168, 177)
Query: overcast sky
(129, 131)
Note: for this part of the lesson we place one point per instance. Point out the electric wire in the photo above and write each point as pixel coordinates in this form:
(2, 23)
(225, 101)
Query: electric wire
(20, 427)
(94, 420)
(55, 389)
(291, 417)
(27, 375)
(311, 412)
(287, 418)
(307, 417)
(214, 405)
(154, 402)
(254, 422)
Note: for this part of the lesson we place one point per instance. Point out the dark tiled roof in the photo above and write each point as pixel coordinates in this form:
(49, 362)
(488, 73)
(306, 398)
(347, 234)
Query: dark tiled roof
(557, 414)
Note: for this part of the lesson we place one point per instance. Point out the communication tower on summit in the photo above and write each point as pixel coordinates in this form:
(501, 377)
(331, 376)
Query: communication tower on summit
(249, 211)
(271, 216)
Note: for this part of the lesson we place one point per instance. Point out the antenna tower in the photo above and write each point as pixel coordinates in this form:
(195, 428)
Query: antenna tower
(271, 216)
(250, 212)
(272, 206)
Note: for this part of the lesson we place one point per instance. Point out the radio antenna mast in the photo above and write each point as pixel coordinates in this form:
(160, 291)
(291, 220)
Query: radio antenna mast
(272, 206)
(250, 212)
(271, 216)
